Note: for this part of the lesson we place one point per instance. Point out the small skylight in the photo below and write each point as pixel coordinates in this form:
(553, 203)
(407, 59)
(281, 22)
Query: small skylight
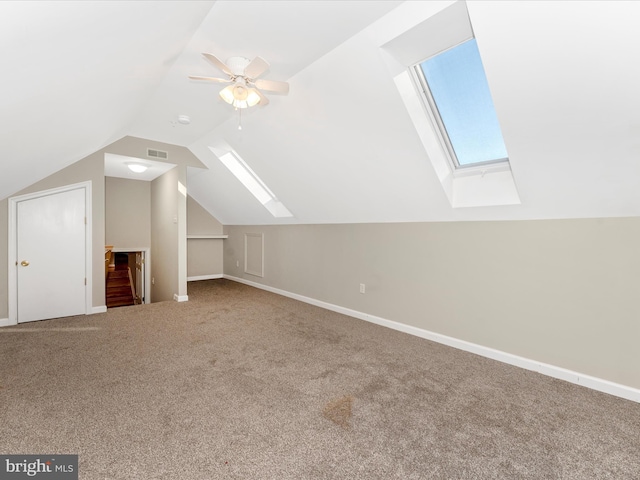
(252, 182)
(457, 92)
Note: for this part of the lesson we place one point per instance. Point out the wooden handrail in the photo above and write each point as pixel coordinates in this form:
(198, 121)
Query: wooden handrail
(133, 288)
(108, 256)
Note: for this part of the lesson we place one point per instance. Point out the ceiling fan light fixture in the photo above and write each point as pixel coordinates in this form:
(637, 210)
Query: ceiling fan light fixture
(240, 91)
(240, 95)
(252, 97)
(245, 89)
(227, 94)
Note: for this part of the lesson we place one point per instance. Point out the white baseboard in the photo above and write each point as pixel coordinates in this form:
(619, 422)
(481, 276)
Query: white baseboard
(205, 277)
(180, 298)
(5, 322)
(588, 381)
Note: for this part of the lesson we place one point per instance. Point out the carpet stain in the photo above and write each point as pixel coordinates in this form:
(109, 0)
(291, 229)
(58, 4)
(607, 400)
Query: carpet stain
(339, 411)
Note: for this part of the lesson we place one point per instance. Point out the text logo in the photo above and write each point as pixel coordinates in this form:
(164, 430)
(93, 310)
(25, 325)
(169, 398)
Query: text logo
(45, 467)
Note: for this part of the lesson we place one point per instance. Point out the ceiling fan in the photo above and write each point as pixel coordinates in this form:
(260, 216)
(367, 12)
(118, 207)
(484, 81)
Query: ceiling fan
(245, 89)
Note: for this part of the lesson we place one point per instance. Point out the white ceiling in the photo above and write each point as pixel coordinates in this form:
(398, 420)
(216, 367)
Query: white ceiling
(341, 146)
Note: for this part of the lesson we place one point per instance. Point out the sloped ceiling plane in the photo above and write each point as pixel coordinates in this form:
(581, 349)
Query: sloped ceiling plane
(341, 146)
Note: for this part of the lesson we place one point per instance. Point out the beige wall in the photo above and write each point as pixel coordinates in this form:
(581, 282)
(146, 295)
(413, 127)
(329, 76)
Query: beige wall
(127, 213)
(168, 235)
(562, 292)
(204, 256)
(89, 169)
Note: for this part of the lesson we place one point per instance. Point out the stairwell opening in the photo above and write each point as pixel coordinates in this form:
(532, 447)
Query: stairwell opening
(125, 279)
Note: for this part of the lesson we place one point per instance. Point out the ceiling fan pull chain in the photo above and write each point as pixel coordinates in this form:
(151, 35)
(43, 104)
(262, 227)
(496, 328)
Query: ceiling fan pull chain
(239, 118)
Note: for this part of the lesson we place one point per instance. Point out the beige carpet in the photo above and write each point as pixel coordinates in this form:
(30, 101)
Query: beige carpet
(240, 383)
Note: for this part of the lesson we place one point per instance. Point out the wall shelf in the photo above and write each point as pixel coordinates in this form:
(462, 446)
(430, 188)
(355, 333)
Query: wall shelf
(207, 236)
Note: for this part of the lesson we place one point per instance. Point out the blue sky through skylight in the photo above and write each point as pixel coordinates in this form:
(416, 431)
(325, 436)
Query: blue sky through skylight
(459, 88)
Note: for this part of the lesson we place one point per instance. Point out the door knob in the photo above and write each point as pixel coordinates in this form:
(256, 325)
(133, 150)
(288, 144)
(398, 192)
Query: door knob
(24, 263)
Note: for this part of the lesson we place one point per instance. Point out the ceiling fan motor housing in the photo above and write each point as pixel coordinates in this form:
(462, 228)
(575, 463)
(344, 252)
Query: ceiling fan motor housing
(237, 64)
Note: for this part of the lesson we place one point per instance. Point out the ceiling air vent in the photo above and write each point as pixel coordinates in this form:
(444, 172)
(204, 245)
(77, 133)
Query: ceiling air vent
(151, 153)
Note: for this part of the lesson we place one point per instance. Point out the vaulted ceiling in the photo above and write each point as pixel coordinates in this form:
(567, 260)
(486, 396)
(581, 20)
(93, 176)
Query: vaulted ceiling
(341, 147)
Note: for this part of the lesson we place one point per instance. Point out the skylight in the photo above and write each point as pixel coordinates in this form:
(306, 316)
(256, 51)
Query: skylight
(252, 182)
(458, 94)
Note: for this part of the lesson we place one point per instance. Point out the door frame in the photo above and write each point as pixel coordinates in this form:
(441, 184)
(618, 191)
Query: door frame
(13, 244)
(147, 270)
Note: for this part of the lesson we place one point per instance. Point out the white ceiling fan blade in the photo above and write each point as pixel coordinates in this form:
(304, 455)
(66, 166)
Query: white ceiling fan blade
(256, 67)
(210, 79)
(218, 64)
(263, 100)
(272, 86)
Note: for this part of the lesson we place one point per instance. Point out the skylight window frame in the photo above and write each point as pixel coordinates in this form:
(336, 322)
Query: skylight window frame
(436, 30)
(258, 189)
(431, 108)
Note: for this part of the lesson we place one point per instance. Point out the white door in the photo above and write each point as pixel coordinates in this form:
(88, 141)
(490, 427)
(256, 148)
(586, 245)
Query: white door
(51, 256)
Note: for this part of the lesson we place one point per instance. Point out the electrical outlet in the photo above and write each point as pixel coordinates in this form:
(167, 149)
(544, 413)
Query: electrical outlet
(362, 288)
(238, 263)
(153, 280)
